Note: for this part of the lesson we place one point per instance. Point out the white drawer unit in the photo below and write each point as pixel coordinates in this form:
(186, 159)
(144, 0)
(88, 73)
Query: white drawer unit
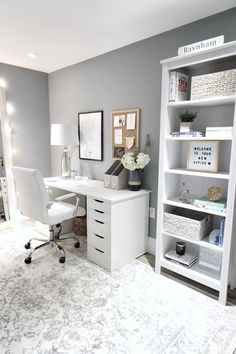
(98, 257)
(117, 221)
(117, 232)
(99, 242)
(99, 204)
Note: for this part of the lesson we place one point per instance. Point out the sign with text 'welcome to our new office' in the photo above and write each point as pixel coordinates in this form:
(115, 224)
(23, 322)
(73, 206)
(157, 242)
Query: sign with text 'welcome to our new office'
(201, 46)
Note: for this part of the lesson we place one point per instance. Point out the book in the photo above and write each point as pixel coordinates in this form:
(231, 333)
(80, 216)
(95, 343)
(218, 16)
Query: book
(192, 134)
(205, 202)
(178, 86)
(187, 260)
(219, 132)
(221, 234)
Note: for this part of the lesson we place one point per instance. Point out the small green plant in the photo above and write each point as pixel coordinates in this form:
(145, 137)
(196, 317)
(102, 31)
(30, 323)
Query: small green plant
(187, 116)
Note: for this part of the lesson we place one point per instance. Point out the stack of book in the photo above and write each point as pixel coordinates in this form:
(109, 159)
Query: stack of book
(219, 132)
(219, 205)
(187, 260)
(178, 89)
(191, 134)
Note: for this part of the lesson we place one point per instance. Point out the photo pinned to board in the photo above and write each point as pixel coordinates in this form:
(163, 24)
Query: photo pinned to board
(129, 142)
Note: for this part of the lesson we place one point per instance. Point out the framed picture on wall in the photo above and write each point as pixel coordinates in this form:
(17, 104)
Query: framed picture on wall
(203, 156)
(90, 127)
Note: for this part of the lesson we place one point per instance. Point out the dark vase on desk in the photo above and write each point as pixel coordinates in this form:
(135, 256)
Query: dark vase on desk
(134, 183)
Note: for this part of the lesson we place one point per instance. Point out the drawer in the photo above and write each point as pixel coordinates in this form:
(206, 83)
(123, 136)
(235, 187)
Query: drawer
(98, 227)
(99, 242)
(99, 204)
(99, 257)
(99, 215)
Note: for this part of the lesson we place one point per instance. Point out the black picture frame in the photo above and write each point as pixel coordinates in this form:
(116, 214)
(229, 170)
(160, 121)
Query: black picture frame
(90, 131)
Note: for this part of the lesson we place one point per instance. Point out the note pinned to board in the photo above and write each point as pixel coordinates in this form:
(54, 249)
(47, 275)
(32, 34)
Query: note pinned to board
(118, 136)
(130, 123)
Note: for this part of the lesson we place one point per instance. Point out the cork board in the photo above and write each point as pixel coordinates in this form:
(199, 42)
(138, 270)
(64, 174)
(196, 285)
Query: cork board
(125, 132)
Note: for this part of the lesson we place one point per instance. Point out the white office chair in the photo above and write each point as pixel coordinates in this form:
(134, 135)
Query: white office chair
(34, 202)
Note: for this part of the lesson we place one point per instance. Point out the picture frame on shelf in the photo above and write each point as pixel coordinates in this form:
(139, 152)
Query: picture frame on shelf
(90, 127)
(203, 156)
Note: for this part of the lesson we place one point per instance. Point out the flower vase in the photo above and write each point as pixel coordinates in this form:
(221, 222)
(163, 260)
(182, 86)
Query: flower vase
(186, 127)
(134, 183)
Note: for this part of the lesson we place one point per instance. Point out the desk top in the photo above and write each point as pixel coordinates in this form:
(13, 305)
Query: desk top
(93, 188)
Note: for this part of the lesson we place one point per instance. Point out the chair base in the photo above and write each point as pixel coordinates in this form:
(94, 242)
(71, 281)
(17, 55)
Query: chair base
(53, 242)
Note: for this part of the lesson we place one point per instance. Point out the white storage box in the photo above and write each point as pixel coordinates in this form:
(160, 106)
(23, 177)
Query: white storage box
(210, 259)
(187, 223)
(222, 83)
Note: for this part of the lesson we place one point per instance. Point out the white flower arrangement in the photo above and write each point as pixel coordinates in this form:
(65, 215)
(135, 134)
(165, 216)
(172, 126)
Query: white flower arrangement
(134, 161)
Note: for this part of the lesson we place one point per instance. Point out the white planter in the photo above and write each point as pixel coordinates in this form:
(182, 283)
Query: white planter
(186, 127)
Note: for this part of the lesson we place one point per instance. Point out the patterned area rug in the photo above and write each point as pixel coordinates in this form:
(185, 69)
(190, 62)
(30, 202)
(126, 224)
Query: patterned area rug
(77, 307)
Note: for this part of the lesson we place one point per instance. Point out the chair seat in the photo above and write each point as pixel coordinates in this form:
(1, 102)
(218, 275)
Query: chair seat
(62, 211)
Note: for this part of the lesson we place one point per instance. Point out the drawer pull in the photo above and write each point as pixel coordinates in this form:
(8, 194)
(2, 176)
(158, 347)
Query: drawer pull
(99, 201)
(100, 222)
(99, 236)
(99, 211)
(99, 250)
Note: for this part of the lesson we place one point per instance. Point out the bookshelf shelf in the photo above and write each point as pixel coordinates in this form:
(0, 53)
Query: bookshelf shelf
(196, 273)
(177, 203)
(213, 114)
(202, 243)
(182, 171)
(196, 139)
(206, 102)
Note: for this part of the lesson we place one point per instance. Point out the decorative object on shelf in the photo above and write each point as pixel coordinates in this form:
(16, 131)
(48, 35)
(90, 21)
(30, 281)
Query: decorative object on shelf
(189, 224)
(64, 135)
(222, 83)
(219, 132)
(91, 135)
(203, 156)
(135, 163)
(178, 87)
(186, 120)
(186, 260)
(214, 193)
(217, 235)
(185, 195)
(125, 132)
(201, 46)
(180, 248)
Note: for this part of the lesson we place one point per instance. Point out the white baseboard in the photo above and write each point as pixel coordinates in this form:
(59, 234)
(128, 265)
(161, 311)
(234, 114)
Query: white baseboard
(152, 245)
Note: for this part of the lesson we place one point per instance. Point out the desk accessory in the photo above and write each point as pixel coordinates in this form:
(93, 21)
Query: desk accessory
(116, 177)
(64, 135)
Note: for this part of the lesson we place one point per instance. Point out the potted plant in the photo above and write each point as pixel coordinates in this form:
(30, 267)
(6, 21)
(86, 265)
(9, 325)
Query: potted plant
(186, 120)
(135, 163)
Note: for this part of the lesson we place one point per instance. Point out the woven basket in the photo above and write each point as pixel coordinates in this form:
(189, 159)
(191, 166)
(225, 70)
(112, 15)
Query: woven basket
(222, 83)
(80, 225)
(192, 225)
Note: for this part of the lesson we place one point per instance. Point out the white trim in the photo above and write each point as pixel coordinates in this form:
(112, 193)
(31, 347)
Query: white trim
(152, 245)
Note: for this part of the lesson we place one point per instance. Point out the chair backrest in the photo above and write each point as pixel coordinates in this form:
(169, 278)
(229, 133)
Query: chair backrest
(31, 193)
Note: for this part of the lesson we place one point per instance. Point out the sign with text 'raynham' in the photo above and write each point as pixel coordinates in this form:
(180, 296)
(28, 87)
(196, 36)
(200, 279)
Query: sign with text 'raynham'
(201, 46)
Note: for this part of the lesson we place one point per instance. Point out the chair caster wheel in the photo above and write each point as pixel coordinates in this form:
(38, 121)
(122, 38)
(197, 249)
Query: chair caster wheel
(28, 260)
(62, 259)
(27, 245)
(77, 244)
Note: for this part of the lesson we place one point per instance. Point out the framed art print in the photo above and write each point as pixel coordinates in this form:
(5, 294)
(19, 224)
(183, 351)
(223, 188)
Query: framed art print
(91, 135)
(203, 156)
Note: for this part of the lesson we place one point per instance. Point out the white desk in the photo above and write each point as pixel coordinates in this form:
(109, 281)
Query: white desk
(117, 221)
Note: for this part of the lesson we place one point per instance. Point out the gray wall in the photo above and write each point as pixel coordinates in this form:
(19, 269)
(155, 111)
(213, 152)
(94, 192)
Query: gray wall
(129, 77)
(27, 91)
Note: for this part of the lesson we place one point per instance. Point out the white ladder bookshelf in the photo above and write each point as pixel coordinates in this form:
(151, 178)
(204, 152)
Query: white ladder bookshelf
(213, 111)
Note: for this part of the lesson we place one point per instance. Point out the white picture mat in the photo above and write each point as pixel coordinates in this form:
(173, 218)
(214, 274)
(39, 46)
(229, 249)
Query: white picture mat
(90, 127)
(203, 156)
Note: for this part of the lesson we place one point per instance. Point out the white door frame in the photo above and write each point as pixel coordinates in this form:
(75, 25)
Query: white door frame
(7, 150)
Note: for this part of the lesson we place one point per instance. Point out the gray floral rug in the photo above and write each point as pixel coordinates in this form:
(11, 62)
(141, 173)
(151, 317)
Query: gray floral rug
(77, 307)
